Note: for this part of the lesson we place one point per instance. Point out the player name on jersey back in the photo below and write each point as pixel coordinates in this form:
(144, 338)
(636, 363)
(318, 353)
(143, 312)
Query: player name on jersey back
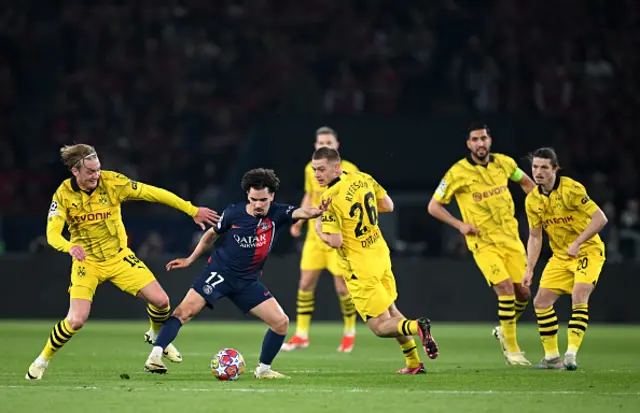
(353, 212)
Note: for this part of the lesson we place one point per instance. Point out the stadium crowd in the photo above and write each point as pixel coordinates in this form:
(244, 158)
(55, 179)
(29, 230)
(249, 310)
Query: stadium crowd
(166, 90)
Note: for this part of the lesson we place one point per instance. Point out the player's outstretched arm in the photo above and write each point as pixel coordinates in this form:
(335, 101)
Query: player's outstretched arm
(534, 246)
(437, 210)
(130, 190)
(296, 227)
(598, 221)
(205, 243)
(308, 212)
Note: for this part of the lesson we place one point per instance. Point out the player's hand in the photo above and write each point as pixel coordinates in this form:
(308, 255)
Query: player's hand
(324, 205)
(78, 253)
(528, 278)
(178, 263)
(466, 229)
(573, 250)
(206, 216)
(296, 230)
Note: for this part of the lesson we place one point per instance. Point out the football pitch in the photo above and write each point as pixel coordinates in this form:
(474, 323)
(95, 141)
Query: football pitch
(101, 370)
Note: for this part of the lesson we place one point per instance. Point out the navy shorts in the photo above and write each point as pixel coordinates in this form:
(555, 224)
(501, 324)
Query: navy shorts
(243, 293)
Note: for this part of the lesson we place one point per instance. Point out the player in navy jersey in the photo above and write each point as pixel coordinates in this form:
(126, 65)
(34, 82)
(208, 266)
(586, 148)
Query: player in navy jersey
(247, 232)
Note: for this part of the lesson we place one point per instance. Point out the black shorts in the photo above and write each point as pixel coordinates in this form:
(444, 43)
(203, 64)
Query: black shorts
(243, 293)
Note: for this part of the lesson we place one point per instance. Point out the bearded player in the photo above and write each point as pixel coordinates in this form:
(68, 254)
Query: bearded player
(479, 182)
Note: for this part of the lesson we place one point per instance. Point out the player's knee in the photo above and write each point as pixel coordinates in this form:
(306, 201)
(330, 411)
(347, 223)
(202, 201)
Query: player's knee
(504, 288)
(281, 325)
(308, 280)
(77, 320)
(541, 302)
(523, 293)
(160, 302)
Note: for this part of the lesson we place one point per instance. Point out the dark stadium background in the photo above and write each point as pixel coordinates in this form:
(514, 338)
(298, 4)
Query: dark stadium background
(187, 95)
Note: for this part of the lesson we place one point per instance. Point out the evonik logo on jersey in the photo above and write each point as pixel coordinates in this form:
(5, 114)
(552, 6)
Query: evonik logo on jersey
(91, 217)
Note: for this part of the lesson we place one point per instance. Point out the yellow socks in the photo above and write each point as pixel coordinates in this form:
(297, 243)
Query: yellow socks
(305, 309)
(157, 317)
(407, 327)
(410, 354)
(349, 314)
(577, 326)
(548, 328)
(60, 334)
(520, 307)
(507, 314)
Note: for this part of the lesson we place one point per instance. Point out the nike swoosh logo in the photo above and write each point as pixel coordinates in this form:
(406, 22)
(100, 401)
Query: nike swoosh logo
(266, 294)
(234, 226)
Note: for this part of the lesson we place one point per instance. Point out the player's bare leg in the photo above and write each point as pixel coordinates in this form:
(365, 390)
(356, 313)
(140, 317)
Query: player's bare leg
(548, 328)
(506, 332)
(578, 323)
(408, 346)
(384, 325)
(271, 313)
(190, 306)
(158, 309)
(305, 307)
(77, 316)
(348, 313)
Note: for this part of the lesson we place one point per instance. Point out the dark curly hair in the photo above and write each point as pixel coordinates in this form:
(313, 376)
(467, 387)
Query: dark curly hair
(260, 178)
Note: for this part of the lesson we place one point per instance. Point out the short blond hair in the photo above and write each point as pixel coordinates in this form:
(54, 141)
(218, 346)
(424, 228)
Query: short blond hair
(325, 130)
(73, 155)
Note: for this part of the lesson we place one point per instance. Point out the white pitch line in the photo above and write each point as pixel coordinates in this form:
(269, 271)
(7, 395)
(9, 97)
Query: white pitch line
(333, 390)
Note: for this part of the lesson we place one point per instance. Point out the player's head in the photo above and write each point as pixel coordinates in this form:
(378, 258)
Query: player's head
(325, 136)
(479, 140)
(544, 166)
(326, 165)
(82, 160)
(261, 186)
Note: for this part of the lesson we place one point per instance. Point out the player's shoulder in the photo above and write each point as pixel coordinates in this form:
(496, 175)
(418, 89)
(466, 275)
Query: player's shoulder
(308, 168)
(460, 168)
(569, 184)
(112, 177)
(534, 196)
(348, 166)
(501, 157)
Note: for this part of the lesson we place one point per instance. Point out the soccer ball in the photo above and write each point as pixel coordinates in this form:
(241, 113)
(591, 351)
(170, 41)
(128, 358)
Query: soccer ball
(228, 364)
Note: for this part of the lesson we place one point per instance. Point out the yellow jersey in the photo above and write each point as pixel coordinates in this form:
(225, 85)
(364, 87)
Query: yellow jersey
(313, 188)
(564, 214)
(484, 199)
(353, 213)
(94, 218)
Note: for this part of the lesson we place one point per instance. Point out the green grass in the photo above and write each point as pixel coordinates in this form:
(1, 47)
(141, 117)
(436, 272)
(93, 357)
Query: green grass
(469, 375)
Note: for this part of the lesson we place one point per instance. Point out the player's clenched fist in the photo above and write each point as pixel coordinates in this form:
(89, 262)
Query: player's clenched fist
(206, 216)
(466, 228)
(78, 253)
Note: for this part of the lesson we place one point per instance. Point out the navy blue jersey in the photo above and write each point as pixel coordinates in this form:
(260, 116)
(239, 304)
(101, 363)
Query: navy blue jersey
(245, 241)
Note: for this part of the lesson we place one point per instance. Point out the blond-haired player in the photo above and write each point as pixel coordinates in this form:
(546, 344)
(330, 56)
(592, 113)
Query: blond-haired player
(561, 207)
(350, 225)
(316, 256)
(479, 183)
(89, 203)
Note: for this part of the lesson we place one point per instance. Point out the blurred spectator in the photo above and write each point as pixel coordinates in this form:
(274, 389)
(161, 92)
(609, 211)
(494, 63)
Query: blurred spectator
(152, 247)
